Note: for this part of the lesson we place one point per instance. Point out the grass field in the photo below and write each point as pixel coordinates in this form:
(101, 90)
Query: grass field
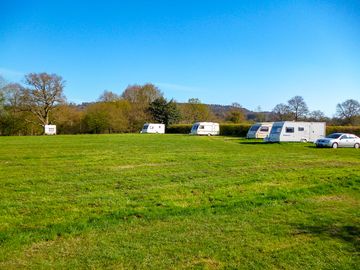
(176, 202)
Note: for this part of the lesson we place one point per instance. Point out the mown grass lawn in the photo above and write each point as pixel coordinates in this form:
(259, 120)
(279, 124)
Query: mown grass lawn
(175, 202)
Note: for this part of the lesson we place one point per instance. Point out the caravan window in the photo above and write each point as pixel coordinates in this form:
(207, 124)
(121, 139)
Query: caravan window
(254, 128)
(276, 129)
(201, 127)
(151, 127)
(264, 129)
(194, 127)
(289, 130)
(301, 129)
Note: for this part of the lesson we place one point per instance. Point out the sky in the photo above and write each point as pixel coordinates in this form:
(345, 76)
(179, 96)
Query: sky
(255, 53)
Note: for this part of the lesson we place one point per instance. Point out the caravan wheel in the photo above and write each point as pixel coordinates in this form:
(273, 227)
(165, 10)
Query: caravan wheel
(303, 140)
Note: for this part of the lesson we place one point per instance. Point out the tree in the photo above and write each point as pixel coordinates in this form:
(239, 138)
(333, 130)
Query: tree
(195, 111)
(281, 112)
(140, 97)
(68, 118)
(45, 92)
(348, 111)
(317, 116)
(108, 117)
(164, 112)
(297, 107)
(236, 114)
(108, 96)
(142, 94)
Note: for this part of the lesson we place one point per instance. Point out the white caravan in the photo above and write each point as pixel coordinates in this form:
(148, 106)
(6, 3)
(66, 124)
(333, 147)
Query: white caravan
(259, 130)
(153, 128)
(289, 131)
(205, 128)
(50, 130)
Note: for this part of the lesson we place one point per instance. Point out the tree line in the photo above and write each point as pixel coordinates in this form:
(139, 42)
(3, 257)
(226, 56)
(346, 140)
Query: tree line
(26, 108)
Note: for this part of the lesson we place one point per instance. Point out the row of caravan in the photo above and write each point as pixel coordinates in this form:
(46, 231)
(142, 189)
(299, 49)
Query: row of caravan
(199, 128)
(285, 131)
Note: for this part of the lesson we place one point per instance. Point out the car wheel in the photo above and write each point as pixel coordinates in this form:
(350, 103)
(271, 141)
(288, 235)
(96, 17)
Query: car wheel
(357, 146)
(335, 145)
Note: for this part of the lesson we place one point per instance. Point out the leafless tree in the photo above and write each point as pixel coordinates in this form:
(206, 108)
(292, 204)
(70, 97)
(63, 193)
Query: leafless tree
(142, 94)
(298, 107)
(45, 91)
(281, 112)
(317, 116)
(108, 96)
(348, 111)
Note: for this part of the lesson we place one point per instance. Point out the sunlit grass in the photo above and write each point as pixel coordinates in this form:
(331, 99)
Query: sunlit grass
(176, 201)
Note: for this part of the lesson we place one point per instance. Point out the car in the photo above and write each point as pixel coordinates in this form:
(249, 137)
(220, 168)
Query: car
(336, 140)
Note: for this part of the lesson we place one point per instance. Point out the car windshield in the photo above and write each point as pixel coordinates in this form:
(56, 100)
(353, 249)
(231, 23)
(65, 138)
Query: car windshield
(333, 136)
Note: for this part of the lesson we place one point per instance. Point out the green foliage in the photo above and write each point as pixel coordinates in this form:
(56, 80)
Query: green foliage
(176, 201)
(239, 130)
(194, 111)
(164, 112)
(179, 129)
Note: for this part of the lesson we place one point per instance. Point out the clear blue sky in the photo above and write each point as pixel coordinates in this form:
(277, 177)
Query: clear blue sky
(256, 53)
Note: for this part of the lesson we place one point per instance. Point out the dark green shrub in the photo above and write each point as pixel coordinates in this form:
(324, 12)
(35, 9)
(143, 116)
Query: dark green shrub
(179, 129)
(239, 130)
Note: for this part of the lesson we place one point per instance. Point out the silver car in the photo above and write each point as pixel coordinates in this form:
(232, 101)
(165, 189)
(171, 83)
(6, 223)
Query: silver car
(336, 140)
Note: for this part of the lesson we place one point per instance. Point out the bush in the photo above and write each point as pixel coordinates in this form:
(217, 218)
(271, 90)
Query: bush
(179, 129)
(344, 129)
(239, 130)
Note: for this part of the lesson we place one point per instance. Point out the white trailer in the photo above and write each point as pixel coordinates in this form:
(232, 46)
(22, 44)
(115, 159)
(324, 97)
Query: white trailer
(289, 131)
(50, 130)
(153, 128)
(259, 130)
(205, 128)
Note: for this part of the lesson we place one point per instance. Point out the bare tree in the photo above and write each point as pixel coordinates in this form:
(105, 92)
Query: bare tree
(281, 112)
(142, 94)
(348, 111)
(298, 107)
(108, 96)
(317, 116)
(45, 92)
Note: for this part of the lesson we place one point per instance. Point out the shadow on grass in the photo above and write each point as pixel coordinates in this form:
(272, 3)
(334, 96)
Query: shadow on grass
(255, 143)
(350, 234)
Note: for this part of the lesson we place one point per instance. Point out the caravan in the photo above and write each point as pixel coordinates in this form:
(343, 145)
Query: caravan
(50, 129)
(205, 128)
(259, 130)
(153, 128)
(289, 131)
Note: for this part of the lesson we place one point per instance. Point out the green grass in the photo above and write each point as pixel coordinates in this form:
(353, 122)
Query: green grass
(176, 202)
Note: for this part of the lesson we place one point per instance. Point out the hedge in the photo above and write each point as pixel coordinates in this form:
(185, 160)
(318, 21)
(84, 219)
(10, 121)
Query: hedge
(179, 129)
(344, 129)
(240, 130)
